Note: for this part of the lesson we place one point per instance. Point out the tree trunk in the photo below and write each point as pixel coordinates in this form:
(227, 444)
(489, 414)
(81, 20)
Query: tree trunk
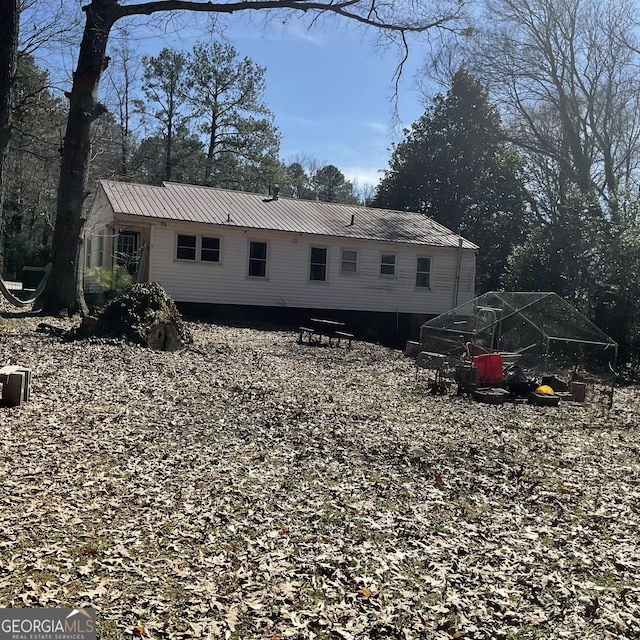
(64, 290)
(9, 19)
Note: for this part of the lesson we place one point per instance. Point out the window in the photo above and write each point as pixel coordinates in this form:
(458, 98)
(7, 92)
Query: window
(388, 264)
(349, 262)
(186, 247)
(127, 250)
(95, 251)
(210, 250)
(258, 259)
(87, 258)
(423, 272)
(100, 250)
(318, 267)
(198, 248)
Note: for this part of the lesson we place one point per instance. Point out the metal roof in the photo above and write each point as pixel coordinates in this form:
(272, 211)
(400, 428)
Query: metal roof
(208, 205)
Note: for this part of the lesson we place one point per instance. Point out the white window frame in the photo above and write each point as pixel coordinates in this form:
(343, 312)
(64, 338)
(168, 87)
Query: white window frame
(355, 262)
(428, 273)
(101, 243)
(197, 248)
(266, 260)
(127, 249)
(387, 264)
(127, 244)
(184, 246)
(202, 249)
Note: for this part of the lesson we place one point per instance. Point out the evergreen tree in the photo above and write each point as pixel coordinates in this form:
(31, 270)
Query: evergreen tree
(226, 98)
(148, 161)
(166, 91)
(31, 168)
(305, 179)
(330, 185)
(455, 166)
(296, 182)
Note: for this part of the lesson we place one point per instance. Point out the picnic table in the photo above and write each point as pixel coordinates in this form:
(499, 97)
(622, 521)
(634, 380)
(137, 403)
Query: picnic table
(320, 328)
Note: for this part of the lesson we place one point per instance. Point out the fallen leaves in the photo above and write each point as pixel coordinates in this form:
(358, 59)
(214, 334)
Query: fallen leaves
(251, 487)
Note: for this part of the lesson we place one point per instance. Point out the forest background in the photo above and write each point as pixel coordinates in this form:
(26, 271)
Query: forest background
(531, 149)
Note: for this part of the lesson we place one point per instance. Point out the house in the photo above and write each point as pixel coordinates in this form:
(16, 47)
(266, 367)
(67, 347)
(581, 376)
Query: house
(229, 252)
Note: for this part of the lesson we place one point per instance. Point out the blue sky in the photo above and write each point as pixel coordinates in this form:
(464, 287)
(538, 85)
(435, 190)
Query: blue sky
(332, 96)
(330, 88)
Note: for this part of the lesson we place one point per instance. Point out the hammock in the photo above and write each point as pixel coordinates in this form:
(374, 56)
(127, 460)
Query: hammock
(17, 302)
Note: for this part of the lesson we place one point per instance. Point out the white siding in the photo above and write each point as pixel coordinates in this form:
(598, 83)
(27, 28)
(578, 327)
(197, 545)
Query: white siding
(287, 283)
(97, 233)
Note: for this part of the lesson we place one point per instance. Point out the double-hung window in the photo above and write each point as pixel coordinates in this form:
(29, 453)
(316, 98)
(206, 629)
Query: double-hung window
(186, 247)
(423, 272)
(388, 264)
(258, 259)
(318, 264)
(349, 262)
(210, 249)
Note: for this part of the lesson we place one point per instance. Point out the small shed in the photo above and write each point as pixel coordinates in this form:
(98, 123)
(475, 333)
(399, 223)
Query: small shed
(539, 330)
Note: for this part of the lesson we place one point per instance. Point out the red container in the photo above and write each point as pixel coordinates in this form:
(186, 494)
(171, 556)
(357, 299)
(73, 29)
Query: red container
(489, 368)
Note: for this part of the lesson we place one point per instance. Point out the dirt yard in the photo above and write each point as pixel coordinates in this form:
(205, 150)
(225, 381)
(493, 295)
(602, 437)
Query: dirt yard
(251, 487)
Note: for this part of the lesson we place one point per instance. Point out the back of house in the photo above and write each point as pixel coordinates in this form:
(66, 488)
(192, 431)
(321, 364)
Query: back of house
(241, 254)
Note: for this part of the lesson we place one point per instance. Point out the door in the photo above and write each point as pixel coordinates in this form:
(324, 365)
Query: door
(127, 250)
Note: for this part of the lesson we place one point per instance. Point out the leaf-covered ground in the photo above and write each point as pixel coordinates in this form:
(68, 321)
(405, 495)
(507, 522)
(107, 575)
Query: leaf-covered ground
(252, 487)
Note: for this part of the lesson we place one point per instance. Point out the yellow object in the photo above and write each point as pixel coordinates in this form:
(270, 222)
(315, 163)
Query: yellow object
(546, 389)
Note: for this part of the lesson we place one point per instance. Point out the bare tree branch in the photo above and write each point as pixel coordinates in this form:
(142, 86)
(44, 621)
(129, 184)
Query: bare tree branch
(346, 9)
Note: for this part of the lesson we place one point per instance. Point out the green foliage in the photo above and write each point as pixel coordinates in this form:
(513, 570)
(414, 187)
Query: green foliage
(455, 166)
(615, 292)
(187, 156)
(27, 241)
(567, 77)
(330, 185)
(226, 95)
(559, 254)
(297, 182)
(309, 182)
(166, 90)
(31, 169)
(115, 281)
(209, 121)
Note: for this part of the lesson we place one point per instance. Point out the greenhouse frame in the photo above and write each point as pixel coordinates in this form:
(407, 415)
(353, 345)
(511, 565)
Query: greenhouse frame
(538, 330)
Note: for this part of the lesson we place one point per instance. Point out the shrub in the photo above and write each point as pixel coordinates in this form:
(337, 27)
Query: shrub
(115, 281)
